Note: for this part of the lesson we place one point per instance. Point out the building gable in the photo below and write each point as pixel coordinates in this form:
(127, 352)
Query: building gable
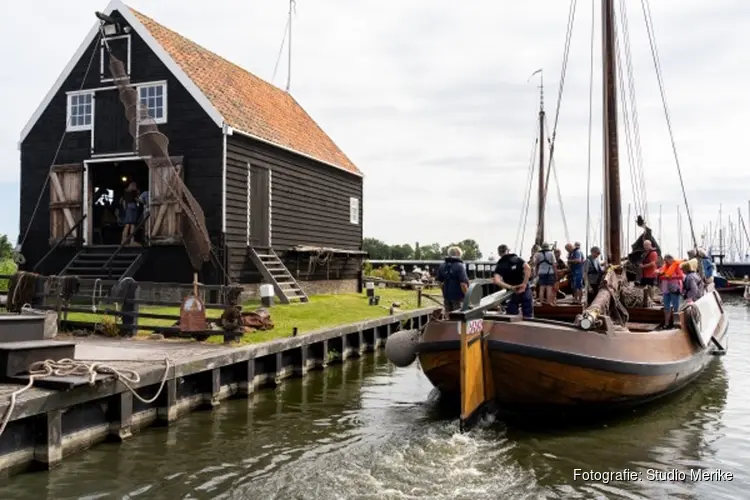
(255, 108)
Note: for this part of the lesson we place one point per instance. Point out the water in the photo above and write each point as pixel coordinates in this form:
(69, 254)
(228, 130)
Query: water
(370, 431)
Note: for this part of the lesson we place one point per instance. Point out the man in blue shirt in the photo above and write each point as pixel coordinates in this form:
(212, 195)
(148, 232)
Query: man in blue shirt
(453, 279)
(708, 265)
(575, 264)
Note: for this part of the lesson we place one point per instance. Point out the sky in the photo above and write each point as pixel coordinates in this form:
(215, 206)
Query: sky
(434, 103)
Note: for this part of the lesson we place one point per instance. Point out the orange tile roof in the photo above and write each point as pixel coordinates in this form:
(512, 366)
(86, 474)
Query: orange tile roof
(247, 102)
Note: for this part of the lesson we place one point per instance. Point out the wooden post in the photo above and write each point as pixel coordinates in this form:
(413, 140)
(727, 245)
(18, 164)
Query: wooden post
(195, 284)
(419, 297)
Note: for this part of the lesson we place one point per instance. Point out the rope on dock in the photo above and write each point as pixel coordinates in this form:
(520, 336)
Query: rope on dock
(70, 367)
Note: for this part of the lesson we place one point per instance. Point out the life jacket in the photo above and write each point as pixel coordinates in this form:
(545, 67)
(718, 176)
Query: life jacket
(545, 259)
(510, 269)
(672, 271)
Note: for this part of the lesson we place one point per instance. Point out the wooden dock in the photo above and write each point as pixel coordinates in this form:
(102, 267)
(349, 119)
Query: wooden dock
(48, 424)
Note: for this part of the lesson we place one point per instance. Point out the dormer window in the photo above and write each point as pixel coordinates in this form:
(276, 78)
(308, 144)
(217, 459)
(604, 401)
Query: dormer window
(119, 46)
(152, 99)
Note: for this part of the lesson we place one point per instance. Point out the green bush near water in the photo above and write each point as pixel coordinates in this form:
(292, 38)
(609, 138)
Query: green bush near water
(7, 267)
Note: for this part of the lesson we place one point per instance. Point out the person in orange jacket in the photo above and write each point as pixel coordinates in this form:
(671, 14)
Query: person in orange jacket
(670, 278)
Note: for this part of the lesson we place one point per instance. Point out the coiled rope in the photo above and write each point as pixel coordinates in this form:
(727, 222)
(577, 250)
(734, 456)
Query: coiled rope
(70, 367)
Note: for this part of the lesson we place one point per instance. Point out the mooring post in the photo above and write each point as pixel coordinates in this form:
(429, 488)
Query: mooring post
(129, 323)
(166, 412)
(48, 439)
(213, 386)
(419, 297)
(247, 377)
(121, 415)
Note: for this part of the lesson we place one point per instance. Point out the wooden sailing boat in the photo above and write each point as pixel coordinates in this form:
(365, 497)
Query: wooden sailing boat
(607, 356)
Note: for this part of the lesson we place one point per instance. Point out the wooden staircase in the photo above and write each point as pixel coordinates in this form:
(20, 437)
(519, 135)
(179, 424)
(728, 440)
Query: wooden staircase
(105, 263)
(275, 272)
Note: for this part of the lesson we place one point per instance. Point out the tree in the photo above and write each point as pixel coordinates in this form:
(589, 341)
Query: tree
(469, 247)
(431, 252)
(6, 248)
(376, 249)
(402, 252)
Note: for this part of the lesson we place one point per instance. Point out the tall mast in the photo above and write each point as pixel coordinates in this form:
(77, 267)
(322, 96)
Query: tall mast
(542, 197)
(612, 205)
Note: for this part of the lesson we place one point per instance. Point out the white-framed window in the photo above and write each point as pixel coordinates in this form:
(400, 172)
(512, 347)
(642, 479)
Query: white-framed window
(154, 99)
(354, 210)
(80, 111)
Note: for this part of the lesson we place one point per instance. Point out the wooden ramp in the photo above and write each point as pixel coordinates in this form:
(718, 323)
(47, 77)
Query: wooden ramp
(275, 272)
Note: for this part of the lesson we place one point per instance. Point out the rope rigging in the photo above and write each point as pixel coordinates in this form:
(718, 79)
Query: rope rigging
(521, 231)
(566, 54)
(57, 153)
(641, 178)
(553, 167)
(626, 110)
(591, 111)
(657, 66)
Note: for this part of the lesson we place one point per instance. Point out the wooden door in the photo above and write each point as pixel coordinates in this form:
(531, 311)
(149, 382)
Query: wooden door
(260, 206)
(111, 127)
(65, 202)
(164, 222)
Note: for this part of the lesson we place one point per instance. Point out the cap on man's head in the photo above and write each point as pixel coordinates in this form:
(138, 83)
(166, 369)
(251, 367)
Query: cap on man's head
(502, 249)
(595, 250)
(545, 246)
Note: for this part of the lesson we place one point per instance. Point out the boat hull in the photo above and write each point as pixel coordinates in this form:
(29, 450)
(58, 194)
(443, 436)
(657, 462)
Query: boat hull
(543, 364)
(439, 354)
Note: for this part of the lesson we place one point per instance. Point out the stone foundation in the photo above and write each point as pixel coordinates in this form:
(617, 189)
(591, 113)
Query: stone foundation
(172, 292)
(320, 287)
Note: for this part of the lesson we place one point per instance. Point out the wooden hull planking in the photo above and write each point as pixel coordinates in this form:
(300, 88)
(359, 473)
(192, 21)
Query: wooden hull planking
(544, 363)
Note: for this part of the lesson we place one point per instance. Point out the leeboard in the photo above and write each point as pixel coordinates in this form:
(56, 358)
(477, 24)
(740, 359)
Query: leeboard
(473, 377)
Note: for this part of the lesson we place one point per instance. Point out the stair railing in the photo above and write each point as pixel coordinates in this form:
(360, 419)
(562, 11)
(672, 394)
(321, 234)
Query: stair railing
(108, 265)
(59, 242)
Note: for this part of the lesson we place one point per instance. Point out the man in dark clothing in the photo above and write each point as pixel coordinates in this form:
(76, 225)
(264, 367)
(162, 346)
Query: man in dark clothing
(513, 273)
(592, 270)
(453, 279)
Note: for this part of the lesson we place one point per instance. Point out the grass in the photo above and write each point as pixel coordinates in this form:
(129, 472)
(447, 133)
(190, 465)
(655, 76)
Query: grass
(322, 311)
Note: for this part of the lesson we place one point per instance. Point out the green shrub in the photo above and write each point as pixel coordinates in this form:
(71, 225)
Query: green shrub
(7, 267)
(387, 273)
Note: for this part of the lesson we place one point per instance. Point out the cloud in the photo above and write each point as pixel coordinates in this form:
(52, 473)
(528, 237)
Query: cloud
(432, 101)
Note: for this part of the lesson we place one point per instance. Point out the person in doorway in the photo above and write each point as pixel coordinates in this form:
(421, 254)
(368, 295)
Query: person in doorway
(592, 269)
(692, 287)
(546, 272)
(670, 282)
(130, 209)
(143, 200)
(453, 280)
(575, 265)
(513, 273)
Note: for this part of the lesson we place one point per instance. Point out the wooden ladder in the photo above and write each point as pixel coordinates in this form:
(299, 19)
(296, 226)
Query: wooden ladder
(275, 272)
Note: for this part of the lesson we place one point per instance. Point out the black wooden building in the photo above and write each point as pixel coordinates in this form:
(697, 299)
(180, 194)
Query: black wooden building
(283, 204)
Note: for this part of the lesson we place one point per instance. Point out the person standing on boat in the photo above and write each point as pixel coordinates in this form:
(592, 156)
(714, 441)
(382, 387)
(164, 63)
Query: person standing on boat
(513, 273)
(592, 269)
(453, 280)
(692, 286)
(670, 282)
(708, 266)
(575, 264)
(546, 272)
(649, 266)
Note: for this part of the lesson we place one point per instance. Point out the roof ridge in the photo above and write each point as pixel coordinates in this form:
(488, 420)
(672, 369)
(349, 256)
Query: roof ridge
(247, 102)
(201, 47)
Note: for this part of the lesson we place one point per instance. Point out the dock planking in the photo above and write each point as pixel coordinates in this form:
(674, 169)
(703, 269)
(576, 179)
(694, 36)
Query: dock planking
(48, 425)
